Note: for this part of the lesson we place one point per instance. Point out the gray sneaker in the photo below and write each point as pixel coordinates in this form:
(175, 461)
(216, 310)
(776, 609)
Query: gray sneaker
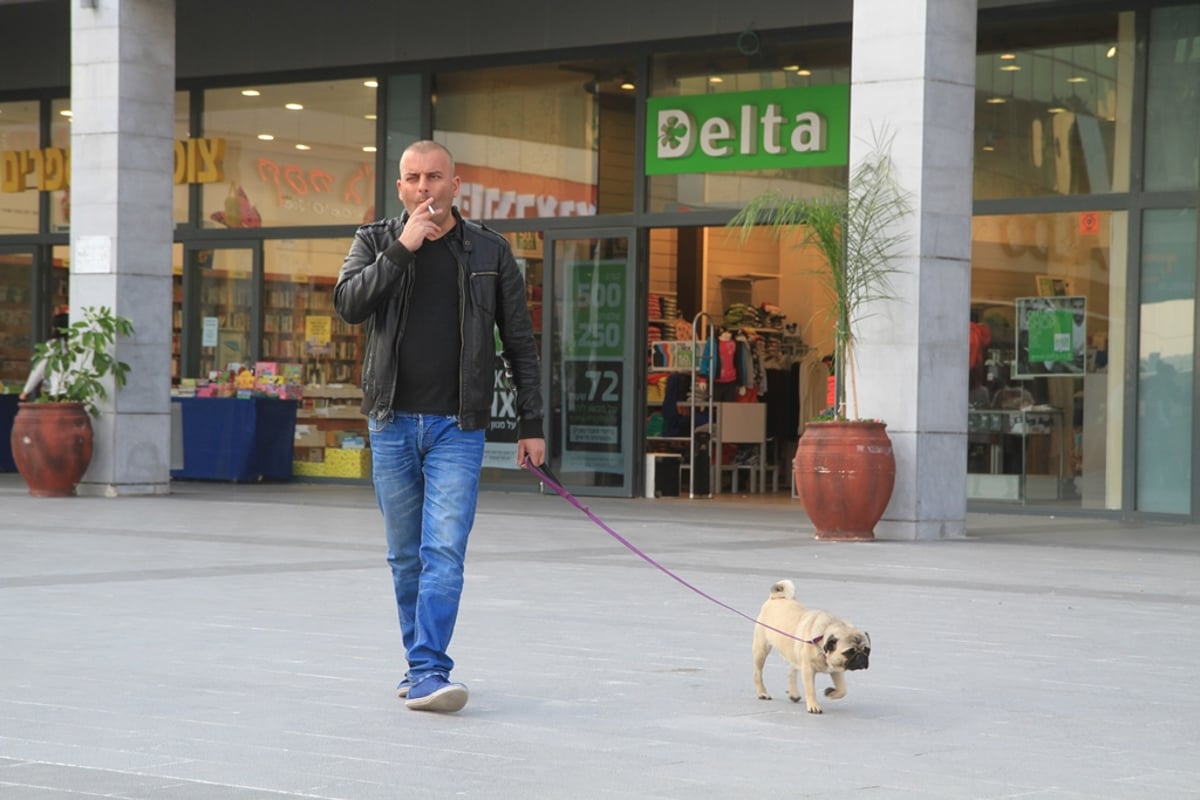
(436, 693)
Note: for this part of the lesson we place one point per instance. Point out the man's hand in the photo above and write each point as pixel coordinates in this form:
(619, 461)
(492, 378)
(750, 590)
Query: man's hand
(420, 228)
(533, 449)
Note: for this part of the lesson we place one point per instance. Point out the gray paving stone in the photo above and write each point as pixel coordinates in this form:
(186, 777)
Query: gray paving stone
(239, 643)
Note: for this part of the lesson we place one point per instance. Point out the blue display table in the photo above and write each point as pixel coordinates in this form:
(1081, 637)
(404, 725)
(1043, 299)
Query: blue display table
(8, 411)
(231, 439)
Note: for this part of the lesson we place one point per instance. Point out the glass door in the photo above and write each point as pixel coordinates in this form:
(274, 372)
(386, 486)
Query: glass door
(219, 313)
(589, 362)
(16, 316)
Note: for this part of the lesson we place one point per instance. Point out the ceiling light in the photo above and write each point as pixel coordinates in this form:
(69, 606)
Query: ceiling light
(370, 148)
(1007, 56)
(66, 112)
(1056, 109)
(1010, 68)
(251, 92)
(804, 72)
(266, 137)
(1112, 51)
(371, 83)
(791, 68)
(627, 85)
(1076, 79)
(293, 107)
(715, 79)
(303, 147)
(371, 117)
(996, 100)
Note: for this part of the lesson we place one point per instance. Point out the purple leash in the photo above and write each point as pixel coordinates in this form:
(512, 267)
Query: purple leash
(544, 475)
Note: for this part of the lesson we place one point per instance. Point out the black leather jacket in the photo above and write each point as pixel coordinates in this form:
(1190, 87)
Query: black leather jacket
(373, 288)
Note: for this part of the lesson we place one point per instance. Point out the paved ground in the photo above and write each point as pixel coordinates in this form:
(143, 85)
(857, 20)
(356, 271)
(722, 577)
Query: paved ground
(234, 642)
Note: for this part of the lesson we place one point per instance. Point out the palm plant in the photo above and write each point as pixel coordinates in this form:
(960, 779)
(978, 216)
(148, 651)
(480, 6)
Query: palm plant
(859, 233)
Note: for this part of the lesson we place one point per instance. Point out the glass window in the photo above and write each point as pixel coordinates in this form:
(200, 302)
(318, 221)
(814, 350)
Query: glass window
(298, 295)
(182, 134)
(224, 277)
(1165, 361)
(803, 64)
(18, 179)
(1046, 367)
(1172, 109)
(60, 140)
(295, 154)
(1052, 106)
(540, 141)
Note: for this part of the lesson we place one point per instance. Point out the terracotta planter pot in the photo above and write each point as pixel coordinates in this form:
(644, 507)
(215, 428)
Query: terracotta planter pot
(52, 446)
(845, 472)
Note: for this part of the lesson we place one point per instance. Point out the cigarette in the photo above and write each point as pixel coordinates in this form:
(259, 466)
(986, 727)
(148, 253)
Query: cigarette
(432, 210)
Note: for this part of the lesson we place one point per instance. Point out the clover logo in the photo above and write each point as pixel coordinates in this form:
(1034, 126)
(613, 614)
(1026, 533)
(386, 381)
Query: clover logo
(671, 132)
(676, 133)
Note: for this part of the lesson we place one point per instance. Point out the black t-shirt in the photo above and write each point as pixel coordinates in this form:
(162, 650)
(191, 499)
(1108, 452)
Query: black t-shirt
(427, 374)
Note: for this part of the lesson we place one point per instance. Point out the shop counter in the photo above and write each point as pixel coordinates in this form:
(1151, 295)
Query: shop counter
(235, 439)
(8, 411)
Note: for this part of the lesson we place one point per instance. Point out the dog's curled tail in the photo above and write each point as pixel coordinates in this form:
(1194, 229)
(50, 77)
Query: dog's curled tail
(784, 589)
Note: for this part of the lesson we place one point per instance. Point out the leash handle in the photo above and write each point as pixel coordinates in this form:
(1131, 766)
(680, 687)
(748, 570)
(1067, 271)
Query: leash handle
(547, 478)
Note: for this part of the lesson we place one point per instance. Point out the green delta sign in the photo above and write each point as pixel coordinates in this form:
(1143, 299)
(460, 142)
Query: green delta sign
(748, 131)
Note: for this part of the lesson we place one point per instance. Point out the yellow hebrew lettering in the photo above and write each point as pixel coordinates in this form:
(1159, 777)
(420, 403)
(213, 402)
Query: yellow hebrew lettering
(211, 167)
(31, 164)
(54, 170)
(11, 177)
(182, 174)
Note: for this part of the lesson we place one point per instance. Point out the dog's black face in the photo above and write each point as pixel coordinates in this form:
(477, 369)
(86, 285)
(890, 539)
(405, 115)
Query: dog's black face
(857, 655)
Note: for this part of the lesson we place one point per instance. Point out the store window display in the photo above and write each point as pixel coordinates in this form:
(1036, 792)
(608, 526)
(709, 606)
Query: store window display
(295, 154)
(1045, 290)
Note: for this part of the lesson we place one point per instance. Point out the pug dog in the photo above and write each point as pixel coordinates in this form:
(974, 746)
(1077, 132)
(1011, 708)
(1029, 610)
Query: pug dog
(822, 643)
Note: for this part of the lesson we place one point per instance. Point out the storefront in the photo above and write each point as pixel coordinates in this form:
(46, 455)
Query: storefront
(1083, 261)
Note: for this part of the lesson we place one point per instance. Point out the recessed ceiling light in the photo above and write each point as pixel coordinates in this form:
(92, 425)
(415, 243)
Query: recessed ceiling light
(370, 148)
(988, 148)
(1007, 56)
(251, 92)
(266, 137)
(371, 83)
(303, 147)
(371, 117)
(790, 68)
(996, 100)
(1010, 68)
(627, 85)
(1056, 110)
(66, 112)
(1076, 79)
(804, 72)
(293, 107)
(716, 79)
(1112, 51)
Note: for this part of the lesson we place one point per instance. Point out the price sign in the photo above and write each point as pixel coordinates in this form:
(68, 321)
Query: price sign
(597, 309)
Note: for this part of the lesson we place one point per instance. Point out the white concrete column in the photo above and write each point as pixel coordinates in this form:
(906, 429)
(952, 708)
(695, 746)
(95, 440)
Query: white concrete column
(913, 74)
(122, 167)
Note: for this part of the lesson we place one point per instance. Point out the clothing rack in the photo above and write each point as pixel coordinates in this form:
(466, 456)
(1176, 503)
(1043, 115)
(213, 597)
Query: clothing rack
(709, 328)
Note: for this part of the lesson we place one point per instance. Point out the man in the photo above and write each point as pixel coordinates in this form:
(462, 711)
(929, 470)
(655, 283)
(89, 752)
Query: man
(431, 287)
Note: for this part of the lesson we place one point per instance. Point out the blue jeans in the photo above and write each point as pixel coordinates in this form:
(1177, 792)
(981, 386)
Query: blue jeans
(426, 474)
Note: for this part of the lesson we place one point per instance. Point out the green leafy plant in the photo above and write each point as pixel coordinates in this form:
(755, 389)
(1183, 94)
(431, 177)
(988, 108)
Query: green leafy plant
(859, 233)
(78, 361)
